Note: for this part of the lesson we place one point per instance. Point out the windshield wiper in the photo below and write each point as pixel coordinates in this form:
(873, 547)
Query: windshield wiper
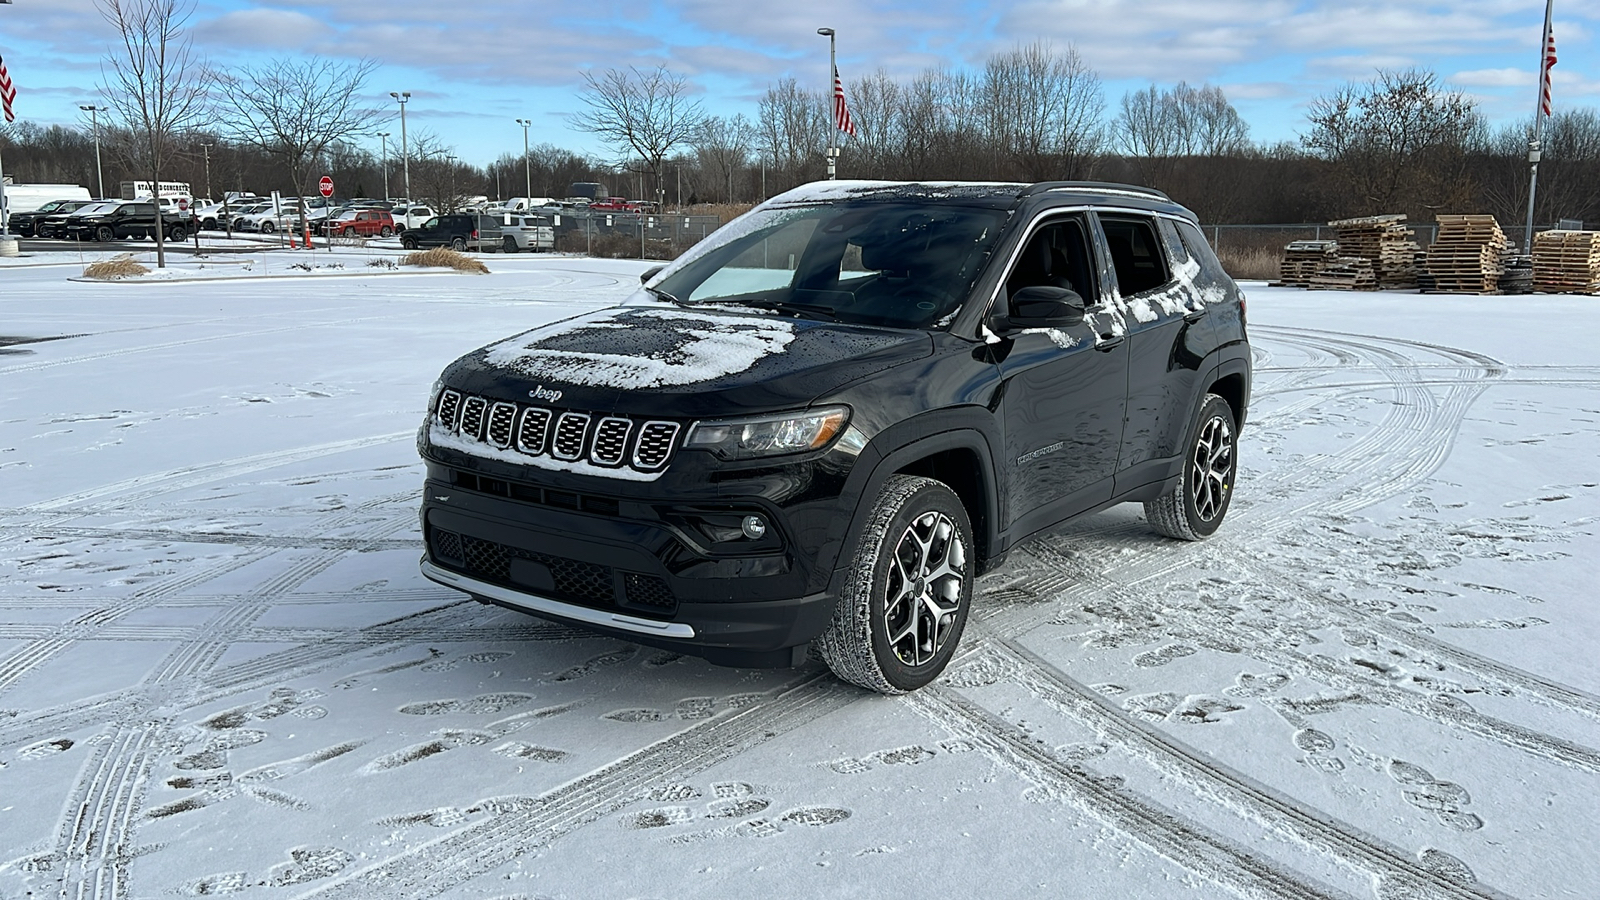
(666, 296)
(798, 309)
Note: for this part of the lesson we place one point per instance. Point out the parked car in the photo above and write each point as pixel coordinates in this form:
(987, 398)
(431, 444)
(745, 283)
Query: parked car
(408, 217)
(242, 212)
(818, 427)
(362, 222)
(26, 224)
(55, 224)
(213, 216)
(459, 231)
(526, 233)
(130, 219)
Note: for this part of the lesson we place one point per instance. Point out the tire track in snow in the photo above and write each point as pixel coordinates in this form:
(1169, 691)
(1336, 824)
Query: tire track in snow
(428, 870)
(1363, 852)
(1197, 849)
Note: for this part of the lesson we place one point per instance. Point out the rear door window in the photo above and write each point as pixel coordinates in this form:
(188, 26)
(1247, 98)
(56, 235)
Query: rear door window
(1135, 253)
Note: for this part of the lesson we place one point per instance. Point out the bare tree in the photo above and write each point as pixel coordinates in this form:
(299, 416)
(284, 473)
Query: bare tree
(1043, 111)
(295, 110)
(154, 83)
(793, 129)
(644, 114)
(1398, 142)
(722, 147)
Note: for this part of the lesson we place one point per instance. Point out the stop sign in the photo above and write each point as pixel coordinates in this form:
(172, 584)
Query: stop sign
(183, 204)
(326, 186)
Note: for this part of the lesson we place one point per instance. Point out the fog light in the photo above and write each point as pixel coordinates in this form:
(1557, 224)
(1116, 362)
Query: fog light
(754, 527)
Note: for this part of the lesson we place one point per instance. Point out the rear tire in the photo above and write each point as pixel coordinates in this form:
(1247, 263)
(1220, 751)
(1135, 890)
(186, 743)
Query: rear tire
(459, 245)
(509, 244)
(903, 609)
(1194, 509)
(385, 231)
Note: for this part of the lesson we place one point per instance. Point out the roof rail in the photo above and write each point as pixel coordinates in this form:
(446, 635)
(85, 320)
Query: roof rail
(1096, 186)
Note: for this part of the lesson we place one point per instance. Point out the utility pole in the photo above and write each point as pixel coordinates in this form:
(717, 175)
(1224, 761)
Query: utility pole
(383, 136)
(527, 167)
(94, 125)
(405, 158)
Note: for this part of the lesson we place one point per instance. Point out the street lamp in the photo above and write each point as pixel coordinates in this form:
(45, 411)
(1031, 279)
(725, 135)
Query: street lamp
(94, 120)
(405, 159)
(450, 160)
(527, 169)
(384, 161)
(833, 68)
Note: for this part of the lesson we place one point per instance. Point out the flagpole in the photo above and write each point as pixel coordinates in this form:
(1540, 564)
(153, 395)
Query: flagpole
(1538, 124)
(833, 131)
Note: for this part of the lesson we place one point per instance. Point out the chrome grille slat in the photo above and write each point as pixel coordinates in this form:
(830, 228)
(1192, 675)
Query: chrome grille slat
(449, 409)
(502, 417)
(611, 441)
(532, 430)
(571, 429)
(472, 417)
(655, 445)
(569, 436)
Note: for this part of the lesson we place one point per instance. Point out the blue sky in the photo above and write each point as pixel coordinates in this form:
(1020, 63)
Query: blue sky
(474, 67)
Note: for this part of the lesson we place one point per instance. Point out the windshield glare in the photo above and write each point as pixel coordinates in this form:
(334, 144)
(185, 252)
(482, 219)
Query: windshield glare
(904, 265)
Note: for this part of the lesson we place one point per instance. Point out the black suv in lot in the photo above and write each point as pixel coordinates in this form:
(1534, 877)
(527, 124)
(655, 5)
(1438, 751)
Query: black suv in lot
(814, 430)
(458, 231)
(26, 224)
(125, 220)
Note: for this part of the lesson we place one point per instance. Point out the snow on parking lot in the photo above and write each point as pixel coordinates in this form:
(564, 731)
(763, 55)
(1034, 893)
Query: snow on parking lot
(220, 671)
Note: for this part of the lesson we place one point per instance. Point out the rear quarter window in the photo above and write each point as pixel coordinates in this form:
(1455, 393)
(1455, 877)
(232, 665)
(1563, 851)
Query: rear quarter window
(1136, 253)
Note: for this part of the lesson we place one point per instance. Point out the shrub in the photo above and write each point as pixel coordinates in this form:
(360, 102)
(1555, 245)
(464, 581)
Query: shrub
(115, 269)
(444, 258)
(1254, 263)
(382, 262)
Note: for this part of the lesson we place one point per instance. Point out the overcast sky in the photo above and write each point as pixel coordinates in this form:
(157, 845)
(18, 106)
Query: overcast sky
(474, 67)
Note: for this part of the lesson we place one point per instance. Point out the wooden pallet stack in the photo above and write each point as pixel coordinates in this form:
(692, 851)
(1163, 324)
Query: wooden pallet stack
(1304, 259)
(1566, 262)
(1385, 241)
(1468, 256)
(1345, 273)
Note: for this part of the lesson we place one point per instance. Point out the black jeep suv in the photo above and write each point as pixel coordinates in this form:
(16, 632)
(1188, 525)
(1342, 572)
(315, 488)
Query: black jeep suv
(817, 427)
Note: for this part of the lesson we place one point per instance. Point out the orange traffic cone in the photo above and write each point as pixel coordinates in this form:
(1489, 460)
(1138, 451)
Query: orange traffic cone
(291, 240)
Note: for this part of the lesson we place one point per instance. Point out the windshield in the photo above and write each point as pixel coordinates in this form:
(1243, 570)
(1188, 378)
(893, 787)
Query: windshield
(96, 208)
(904, 265)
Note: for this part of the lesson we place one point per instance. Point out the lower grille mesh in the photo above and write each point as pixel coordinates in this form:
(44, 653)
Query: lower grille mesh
(586, 584)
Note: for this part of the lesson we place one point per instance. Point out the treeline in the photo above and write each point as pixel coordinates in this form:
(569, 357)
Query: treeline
(1401, 142)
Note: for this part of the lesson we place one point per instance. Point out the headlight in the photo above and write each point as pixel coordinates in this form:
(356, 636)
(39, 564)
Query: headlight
(769, 435)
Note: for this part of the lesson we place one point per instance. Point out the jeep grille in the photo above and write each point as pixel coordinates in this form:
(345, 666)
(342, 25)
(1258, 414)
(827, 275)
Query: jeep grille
(569, 436)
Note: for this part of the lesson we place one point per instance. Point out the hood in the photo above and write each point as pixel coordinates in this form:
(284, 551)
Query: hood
(679, 363)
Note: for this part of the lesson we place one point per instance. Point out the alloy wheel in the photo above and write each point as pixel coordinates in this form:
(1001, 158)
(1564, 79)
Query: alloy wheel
(923, 591)
(1213, 466)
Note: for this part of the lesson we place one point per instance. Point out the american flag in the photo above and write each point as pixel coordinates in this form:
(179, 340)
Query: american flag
(8, 91)
(1544, 69)
(841, 113)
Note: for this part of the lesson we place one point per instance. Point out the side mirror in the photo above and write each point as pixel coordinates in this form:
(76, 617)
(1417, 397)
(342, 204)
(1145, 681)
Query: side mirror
(1040, 306)
(649, 273)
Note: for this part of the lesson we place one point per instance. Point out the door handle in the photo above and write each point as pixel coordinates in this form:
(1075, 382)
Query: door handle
(1108, 341)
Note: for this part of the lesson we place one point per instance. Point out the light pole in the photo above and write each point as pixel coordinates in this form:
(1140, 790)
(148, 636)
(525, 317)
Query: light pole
(405, 159)
(383, 136)
(450, 160)
(833, 68)
(94, 125)
(527, 167)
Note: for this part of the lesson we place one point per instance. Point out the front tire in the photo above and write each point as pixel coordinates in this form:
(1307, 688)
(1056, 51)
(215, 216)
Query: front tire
(268, 228)
(104, 234)
(177, 234)
(408, 243)
(905, 604)
(1194, 509)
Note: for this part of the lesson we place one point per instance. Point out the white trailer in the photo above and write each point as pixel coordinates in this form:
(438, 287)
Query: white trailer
(21, 198)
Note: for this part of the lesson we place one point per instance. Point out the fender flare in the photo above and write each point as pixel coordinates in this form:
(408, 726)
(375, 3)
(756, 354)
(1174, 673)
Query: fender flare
(874, 468)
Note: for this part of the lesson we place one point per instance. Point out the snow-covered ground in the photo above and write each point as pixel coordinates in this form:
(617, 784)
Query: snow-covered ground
(220, 671)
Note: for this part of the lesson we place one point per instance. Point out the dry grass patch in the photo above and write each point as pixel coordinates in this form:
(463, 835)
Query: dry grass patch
(444, 258)
(1254, 263)
(115, 269)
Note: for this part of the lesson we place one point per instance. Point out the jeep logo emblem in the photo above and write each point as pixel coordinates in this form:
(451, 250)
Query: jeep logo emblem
(545, 394)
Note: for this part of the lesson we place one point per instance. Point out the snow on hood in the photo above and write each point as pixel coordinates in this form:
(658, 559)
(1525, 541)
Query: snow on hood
(705, 348)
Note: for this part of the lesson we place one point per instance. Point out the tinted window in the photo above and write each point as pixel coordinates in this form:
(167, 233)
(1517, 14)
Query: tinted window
(1175, 248)
(1057, 255)
(1135, 253)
